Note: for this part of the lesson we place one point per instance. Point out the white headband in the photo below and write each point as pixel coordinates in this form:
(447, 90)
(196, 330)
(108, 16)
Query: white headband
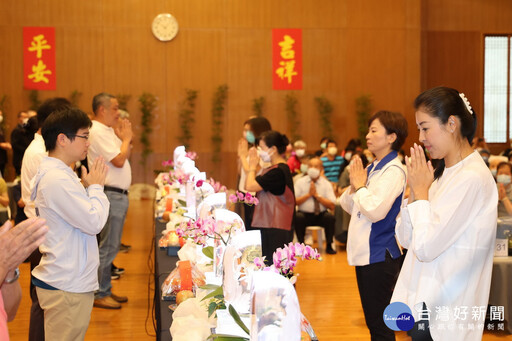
(466, 102)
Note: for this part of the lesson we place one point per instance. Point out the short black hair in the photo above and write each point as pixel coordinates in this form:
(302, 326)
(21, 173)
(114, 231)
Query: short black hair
(393, 122)
(258, 125)
(66, 121)
(99, 100)
(49, 106)
(504, 164)
(273, 138)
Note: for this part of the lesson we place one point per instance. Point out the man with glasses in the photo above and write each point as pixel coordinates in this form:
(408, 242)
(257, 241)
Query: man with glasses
(114, 145)
(34, 153)
(67, 276)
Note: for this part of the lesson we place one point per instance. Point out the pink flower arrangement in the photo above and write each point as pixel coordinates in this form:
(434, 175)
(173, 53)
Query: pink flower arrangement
(217, 186)
(178, 175)
(201, 230)
(168, 163)
(285, 259)
(191, 155)
(246, 198)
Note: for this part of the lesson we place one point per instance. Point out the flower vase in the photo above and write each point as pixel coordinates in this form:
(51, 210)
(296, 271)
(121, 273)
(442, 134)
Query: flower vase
(218, 257)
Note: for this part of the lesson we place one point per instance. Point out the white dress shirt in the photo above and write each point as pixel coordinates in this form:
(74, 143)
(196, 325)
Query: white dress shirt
(369, 205)
(104, 142)
(34, 153)
(74, 216)
(451, 239)
(323, 188)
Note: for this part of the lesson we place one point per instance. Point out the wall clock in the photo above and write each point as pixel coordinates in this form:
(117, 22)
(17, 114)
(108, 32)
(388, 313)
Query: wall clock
(164, 27)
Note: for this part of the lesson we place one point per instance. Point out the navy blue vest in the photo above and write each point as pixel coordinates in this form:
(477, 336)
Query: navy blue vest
(382, 235)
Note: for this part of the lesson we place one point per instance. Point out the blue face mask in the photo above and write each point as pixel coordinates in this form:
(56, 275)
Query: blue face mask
(250, 137)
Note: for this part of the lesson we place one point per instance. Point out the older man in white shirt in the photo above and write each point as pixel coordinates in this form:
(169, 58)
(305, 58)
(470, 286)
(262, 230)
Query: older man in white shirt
(115, 147)
(315, 196)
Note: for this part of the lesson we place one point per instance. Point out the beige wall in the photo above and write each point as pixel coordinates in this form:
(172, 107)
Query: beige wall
(391, 49)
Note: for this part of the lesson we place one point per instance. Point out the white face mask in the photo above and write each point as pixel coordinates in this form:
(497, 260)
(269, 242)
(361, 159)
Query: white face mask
(494, 172)
(332, 150)
(303, 168)
(503, 179)
(313, 173)
(348, 156)
(264, 155)
(300, 152)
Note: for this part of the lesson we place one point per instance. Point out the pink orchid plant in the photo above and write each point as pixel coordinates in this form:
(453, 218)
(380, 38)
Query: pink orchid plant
(201, 230)
(168, 163)
(191, 155)
(246, 198)
(285, 259)
(217, 186)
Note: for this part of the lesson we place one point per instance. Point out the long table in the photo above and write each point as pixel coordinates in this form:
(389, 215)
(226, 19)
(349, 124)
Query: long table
(164, 264)
(500, 294)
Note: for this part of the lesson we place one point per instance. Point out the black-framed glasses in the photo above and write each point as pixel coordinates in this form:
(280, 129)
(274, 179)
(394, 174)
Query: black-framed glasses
(85, 137)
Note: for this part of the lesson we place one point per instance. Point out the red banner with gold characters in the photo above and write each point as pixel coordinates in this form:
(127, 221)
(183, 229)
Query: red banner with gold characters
(39, 58)
(287, 58)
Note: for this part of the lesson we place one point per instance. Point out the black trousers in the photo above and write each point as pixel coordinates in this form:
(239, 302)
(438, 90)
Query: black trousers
(421, 334)
(271, 239)
(324, 219)
(376, 283)
(36, 326)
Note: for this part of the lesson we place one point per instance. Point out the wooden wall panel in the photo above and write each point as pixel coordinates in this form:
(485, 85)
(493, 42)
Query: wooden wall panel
(377, 14)
(461, 15)
(350, 48)
(453, 44)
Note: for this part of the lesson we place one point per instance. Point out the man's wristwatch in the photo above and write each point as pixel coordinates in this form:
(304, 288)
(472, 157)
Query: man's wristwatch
(15, 278)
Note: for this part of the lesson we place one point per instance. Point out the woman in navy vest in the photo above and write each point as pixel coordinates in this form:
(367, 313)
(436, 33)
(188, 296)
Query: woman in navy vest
(373, 200)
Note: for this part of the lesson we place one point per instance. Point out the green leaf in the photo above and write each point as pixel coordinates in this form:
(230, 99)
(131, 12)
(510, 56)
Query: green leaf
(209, 287)
(237, 319)
(225, 337)
(182, 202)
(211, 308)
(208, 251)
(214, 293)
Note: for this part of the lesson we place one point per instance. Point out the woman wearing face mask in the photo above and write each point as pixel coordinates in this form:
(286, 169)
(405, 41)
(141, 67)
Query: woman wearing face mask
(323, 147)
(449, 223)
(274, 186)
(373, 200)
(253, 128)
(503, 177)
(297, 157)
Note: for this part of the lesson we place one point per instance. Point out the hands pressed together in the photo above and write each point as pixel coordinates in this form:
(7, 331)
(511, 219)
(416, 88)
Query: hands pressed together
(254, 159)
(96, 174)
(18, 242)
(420, 173)
(124, 130)
(357, 173)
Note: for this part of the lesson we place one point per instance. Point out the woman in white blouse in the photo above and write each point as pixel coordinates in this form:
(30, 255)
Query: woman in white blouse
(373, 201)
(449, 224)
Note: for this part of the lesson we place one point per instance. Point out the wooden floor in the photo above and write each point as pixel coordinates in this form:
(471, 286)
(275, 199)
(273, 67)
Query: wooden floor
(327, 293)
